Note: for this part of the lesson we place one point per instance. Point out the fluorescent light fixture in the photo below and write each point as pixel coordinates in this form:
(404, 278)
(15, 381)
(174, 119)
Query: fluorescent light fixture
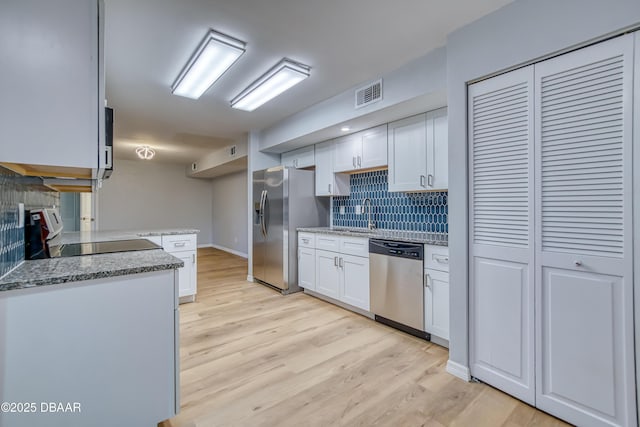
(216, 54)
(281, 77)
(145, 152)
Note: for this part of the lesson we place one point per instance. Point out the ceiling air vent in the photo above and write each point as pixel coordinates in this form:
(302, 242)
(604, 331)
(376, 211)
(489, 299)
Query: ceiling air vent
(369, 94)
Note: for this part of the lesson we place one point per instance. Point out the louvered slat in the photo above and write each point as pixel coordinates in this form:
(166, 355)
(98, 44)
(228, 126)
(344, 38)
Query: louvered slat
(581, 159)
(500, 144)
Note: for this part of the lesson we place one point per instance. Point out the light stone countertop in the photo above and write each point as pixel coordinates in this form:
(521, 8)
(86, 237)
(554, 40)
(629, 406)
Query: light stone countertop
(101, 236)
(52, 271)
(439, 239)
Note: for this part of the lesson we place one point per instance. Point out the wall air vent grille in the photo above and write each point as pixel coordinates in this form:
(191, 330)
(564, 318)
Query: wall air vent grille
(232, 151)
(369, 94)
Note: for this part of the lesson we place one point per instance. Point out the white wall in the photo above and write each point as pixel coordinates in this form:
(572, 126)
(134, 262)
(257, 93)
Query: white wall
(516, 34)
(147, 195)
(229, 228)
(424, 75)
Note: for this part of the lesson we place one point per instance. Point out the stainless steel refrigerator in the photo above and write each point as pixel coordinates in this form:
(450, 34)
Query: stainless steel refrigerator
(283, 199)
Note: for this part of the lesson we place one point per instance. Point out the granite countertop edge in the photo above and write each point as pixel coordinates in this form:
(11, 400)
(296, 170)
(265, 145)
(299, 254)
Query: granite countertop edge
(37, 273)
(437, 239)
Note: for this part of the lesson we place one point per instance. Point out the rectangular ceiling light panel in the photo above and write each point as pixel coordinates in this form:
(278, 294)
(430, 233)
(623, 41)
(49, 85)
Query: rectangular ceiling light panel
(281, 77)
(215, 55)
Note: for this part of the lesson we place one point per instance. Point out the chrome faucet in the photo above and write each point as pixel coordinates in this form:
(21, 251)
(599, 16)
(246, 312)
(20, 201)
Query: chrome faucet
(370, 224)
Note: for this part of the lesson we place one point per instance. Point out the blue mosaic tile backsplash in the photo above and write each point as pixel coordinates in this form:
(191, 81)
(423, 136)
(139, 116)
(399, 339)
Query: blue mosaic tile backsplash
(16, 189)
(391, 211)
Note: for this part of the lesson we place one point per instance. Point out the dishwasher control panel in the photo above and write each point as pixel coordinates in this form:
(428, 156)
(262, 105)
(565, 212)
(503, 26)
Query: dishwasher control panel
(396, 249)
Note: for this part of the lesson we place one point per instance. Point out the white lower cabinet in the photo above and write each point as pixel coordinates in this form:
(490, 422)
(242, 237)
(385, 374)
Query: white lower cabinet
(307, 268)
(328, 273)
(436, 303)
(186, 274)
(184, 247)
(354, 288)
(342, 273)
(436, 293)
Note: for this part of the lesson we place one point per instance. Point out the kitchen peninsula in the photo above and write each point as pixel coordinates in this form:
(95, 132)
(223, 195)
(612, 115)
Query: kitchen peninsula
(97, 333)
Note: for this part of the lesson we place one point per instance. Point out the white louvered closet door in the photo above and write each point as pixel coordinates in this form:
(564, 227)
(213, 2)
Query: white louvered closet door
(501, 219)
(584, 282)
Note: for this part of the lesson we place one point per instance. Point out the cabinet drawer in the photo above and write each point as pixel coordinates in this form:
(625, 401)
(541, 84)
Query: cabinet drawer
(436, 258)
(306, 240)
(328, 242)
(358, 246)
(179, 242)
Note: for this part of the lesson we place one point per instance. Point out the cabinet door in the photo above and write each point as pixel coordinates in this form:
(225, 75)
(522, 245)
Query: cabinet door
(327, 182)
(437, 150)
(186, 274)
(583, 138)
(306, 157)
(373, 147)
(300, 158)
(407, 152)
(501, 289)
(50, 76)
(327, 273)
(436, 303)
(354, 286)
(288, 159)
(307, 268)
(345, 153)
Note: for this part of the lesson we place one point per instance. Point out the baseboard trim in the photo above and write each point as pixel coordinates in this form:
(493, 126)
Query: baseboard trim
(205, 245)
(458, 370)
(231, 251)
(440, 341)
(340, 304)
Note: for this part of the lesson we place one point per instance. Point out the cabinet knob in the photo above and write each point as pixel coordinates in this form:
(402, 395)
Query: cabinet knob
(430, 180)
(578, 263)
(422, 179)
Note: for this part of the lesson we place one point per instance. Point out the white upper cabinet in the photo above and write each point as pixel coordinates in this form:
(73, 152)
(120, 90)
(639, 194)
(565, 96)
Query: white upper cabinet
(361, 150)
(418, 152)
(327, 182)
(301, 158)
(437, 150)
(52, 87)
(408, 154)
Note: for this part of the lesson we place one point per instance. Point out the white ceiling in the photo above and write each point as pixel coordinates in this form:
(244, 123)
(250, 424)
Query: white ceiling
(345, 42)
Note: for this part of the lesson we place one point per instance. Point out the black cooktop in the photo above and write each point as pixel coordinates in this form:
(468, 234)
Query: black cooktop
(94, 248)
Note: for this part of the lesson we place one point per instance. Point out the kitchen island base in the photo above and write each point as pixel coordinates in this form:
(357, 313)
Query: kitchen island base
(95, 352)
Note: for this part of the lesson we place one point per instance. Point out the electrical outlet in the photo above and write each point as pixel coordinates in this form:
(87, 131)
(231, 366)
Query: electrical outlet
(341, 210)
(358, 210)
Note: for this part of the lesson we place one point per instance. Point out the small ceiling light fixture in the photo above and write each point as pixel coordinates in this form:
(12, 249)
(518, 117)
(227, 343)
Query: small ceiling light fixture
(284, 75)
(345, 128)
(215, 54)
(145, 152)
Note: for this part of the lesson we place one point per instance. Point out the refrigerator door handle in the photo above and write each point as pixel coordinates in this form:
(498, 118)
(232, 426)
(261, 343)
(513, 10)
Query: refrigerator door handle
(263, 222)
(261, 212)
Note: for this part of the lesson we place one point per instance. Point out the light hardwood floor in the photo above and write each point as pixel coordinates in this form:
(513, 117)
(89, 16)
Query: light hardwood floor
(252, 357)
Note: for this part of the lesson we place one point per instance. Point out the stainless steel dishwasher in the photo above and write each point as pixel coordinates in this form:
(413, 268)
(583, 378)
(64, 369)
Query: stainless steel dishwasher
(397, 291)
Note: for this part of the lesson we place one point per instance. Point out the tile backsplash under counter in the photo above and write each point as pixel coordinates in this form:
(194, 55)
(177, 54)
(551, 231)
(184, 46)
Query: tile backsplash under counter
(427, 212)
